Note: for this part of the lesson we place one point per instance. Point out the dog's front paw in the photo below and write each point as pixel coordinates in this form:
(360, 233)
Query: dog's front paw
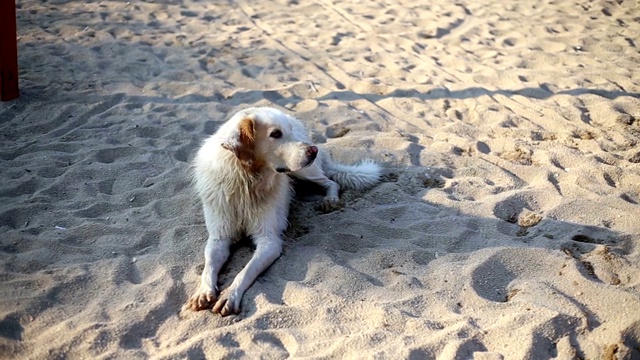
(329, 204)
(202, 300)
(228, 303)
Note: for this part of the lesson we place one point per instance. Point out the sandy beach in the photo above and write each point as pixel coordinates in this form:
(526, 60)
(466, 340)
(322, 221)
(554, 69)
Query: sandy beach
(506, 226)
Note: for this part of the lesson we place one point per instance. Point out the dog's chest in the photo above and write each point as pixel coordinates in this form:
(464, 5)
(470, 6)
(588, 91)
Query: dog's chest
(251, 196)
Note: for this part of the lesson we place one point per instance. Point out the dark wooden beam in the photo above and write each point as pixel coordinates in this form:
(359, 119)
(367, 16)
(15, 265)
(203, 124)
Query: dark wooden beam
(8, 51)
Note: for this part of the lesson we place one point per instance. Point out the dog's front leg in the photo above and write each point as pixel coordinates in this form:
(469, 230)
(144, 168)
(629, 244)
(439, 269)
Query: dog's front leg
(216, 254)
(268, 249)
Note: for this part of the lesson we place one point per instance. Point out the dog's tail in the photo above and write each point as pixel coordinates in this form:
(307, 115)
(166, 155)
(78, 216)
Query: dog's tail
(356, 177)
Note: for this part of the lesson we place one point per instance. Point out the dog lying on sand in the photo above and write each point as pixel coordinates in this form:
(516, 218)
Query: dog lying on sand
(242, 176)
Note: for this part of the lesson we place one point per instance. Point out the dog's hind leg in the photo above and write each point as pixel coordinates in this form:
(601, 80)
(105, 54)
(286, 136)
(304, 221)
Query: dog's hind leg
(268, 249)
(314, 173)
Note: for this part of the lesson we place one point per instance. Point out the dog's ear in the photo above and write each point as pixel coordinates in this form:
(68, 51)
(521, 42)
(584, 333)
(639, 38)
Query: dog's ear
(242, 142)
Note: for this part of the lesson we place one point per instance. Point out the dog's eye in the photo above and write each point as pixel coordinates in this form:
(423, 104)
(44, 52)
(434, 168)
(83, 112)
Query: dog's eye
(276, 134)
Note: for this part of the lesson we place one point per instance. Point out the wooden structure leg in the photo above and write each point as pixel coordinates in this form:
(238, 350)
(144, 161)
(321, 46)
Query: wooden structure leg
(8, 51)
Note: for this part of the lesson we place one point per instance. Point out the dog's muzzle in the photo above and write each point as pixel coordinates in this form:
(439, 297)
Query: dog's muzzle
(312, 153)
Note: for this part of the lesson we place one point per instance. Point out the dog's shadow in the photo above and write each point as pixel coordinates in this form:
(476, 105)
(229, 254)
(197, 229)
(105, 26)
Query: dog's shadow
(306, 204)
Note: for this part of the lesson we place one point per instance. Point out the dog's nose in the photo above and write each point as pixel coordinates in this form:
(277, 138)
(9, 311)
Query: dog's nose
(312, 151)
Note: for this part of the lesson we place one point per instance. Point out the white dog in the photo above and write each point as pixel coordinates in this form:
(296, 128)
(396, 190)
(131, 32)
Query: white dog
(242, 177)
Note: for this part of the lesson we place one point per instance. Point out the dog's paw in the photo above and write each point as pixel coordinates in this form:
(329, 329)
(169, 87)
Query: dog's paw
(202, 300)
(228, 303)
(329, 204)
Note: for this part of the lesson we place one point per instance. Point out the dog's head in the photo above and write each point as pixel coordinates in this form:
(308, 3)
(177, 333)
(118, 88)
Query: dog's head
(269, 138)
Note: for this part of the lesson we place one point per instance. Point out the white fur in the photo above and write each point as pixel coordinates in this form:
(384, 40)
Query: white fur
(243, 194)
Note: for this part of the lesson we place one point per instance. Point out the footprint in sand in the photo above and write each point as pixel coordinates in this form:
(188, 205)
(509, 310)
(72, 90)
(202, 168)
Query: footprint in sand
(108, 156)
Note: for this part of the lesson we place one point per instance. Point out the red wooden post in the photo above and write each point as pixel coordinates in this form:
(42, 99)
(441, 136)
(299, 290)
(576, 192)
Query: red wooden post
(8, 51)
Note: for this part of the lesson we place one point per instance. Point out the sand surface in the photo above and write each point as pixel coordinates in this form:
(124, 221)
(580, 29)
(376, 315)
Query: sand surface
(507, 225)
